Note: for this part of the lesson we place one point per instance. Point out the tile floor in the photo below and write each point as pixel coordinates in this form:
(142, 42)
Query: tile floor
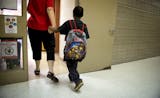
(138, 79)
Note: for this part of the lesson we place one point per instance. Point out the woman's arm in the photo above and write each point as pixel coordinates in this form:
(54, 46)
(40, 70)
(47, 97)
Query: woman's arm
(51, 15)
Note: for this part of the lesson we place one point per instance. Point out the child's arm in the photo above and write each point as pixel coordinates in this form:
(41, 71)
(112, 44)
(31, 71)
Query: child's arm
(63, 29)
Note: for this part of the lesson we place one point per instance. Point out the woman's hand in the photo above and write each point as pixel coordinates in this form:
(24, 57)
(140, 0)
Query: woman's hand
(51, 29)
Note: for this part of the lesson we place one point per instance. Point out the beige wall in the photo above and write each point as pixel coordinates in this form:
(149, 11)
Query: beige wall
(137, 31)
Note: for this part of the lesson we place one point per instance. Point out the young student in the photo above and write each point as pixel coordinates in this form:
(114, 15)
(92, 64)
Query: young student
(64, 29)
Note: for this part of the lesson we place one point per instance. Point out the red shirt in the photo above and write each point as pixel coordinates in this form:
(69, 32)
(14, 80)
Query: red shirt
(39, 19)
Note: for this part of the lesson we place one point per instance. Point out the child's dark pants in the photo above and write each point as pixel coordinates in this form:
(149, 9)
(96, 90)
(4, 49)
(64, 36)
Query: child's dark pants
(73, 73)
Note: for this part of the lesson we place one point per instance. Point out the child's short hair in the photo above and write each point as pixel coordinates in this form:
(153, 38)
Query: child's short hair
(78, 11)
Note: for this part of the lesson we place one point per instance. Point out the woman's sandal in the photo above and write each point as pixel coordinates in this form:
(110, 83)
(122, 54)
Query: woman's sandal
(52, 77)
(37, 72)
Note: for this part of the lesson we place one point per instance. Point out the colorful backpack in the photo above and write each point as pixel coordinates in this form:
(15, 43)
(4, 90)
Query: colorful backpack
(75, 48)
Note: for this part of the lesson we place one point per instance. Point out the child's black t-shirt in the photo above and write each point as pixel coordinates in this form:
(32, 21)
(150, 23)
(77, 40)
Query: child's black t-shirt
(65, 28)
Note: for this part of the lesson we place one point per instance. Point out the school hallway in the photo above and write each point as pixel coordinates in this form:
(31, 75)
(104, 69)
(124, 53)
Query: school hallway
(137, 79)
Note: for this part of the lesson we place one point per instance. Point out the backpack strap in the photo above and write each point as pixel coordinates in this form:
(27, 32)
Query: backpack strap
(75, 26)
(83, 27)
(70, 23)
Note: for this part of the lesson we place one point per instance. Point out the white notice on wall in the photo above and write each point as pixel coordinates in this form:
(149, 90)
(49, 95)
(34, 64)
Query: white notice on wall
(10, 24)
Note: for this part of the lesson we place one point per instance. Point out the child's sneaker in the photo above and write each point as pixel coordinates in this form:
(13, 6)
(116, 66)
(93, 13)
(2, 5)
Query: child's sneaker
(52, 77)
(79, 84)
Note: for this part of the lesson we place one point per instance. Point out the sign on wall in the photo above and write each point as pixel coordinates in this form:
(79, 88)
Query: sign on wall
(8, 49)
(10, 53)
(10, 24)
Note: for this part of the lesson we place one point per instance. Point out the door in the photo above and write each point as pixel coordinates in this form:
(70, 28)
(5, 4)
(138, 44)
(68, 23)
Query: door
(57, 13)
(99, 15)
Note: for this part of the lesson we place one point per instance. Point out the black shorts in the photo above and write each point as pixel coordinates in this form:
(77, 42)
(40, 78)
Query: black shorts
(36, 38)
